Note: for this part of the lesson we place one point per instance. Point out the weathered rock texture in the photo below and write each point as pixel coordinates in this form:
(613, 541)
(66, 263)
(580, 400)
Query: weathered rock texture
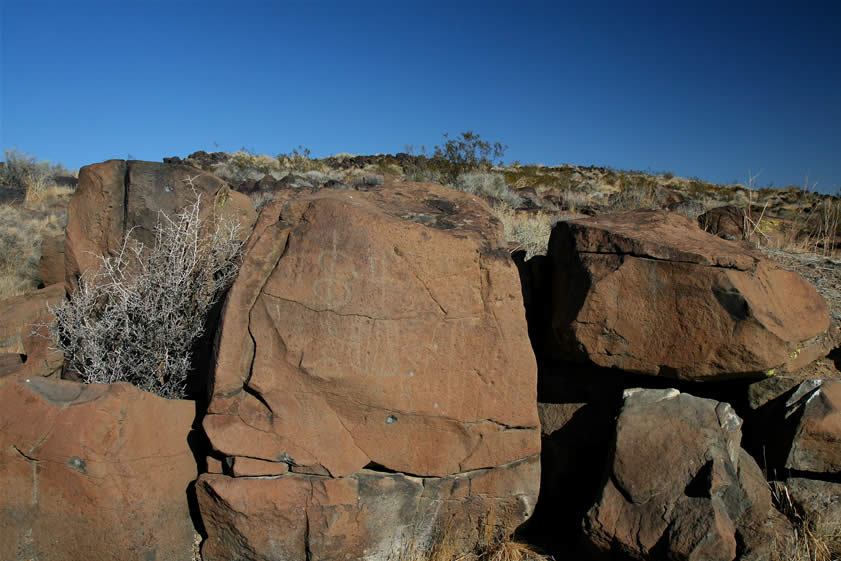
(116, 196)
(93, 472)
(649, 292)
(814, 411)
(382, 330)
(678, 485)
(51, 264)
(22, 331)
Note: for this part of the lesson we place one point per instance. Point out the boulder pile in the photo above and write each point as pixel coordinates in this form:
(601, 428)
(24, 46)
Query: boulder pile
(385, 380)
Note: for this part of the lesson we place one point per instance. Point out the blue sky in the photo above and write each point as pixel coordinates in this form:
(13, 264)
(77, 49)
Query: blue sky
(709, 88)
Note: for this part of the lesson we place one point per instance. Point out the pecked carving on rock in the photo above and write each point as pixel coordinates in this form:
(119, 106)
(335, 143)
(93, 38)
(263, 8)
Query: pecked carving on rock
(385, 329)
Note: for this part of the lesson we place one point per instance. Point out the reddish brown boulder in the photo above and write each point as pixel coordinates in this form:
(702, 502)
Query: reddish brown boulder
(381, 329)
(51, 265)
(814, 411)
(725, 221)
(21, 332)
(93, 472)
(649, 292)
(678, 485)
(116, 196)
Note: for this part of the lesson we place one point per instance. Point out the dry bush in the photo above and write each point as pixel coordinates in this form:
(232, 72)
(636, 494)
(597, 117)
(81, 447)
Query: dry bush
(529, 230)
(137, 318)
(814, 539)
(36, 179)
(21, 232)
(636, 192)
(490, 186)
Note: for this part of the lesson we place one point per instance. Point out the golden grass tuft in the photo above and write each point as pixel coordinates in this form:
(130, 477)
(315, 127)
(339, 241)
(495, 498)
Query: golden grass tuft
(814, 538)
(529, 230)
(511, 551)
(22, 228)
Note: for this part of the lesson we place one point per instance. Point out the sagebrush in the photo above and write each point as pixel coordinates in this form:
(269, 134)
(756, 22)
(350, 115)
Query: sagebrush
(138, 317)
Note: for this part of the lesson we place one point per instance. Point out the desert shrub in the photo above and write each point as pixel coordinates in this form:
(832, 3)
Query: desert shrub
(530, 231)
(21, 232)
(27, 174)
(299, 159)
(137, 319)
(636, 191)
(487, 185)
(467, 152)
(361, 179)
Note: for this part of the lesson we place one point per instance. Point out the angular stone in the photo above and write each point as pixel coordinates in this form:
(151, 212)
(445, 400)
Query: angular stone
(649, 292)
(116, 196)
(819, 501)
(93, 472)
(814, 411)
(678, 485)
(21, 332)
(51, 265)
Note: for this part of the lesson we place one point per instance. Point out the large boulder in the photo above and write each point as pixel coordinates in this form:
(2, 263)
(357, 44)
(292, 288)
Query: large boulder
(119, 196)
(650, 292)
(93, 472)
(23, 332)
(374, 337)
(678, 485)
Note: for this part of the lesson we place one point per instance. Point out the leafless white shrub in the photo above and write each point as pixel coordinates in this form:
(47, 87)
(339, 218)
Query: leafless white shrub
(138, 317)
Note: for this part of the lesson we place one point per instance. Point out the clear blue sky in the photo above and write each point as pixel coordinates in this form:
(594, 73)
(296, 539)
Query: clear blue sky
(701, 88)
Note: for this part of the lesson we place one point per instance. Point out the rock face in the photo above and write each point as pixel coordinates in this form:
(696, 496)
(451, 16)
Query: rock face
(649, 292)
(18, 319)
(678, 485)
(370, 333)
(51, 265)
(93, 472)
(814, 410)
(116, 196)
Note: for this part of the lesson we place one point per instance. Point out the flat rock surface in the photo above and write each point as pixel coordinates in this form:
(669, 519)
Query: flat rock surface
(93, 472)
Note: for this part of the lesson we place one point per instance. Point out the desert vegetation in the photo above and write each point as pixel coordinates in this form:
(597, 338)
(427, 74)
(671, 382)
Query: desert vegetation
(137, 319)
(33, 206)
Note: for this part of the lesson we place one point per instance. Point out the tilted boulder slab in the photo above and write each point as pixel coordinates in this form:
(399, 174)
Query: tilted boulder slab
(23, 331)
(372, 340)
(814, 415)
(119, 196)
(649, 292)
(678, 485)
(93, 472)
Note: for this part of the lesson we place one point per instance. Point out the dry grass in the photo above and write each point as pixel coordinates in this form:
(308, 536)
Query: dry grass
(814, 538)
(529, 230)
(22, 227)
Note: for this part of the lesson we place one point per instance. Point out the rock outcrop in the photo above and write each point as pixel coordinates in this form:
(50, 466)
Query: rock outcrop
(678, 484)
(117, 196)
(21, 332)
(373, 341)
(651, 293)
(93, 472)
